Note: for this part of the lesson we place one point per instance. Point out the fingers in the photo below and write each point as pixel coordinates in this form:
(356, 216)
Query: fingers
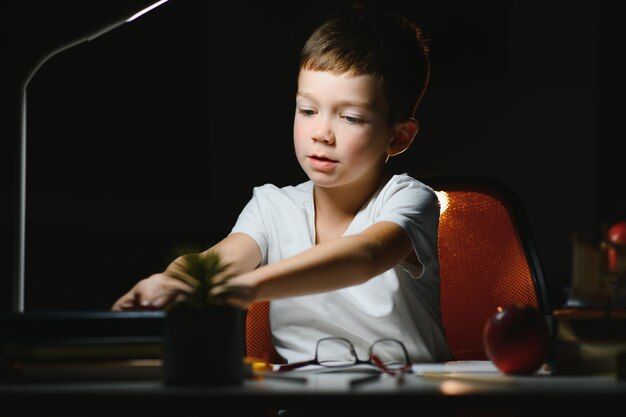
(154, 292)
(232, 301)
(126, 302)
(167, 298)
(220, 278)
(240, 296)
(159, 290)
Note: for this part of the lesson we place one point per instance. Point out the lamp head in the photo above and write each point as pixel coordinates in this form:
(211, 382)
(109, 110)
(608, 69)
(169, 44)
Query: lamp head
(146, 10)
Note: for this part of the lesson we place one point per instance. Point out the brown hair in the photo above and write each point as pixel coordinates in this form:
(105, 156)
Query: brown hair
(358, 40)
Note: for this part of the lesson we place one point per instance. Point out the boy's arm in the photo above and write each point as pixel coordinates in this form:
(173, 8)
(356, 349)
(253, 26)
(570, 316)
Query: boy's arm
(339, 263)
(238, 251)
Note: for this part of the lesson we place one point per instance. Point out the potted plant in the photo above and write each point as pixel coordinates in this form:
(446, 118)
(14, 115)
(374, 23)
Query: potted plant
(203, 341)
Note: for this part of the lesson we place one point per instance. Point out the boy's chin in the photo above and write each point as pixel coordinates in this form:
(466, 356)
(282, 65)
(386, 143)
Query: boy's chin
(323, 181)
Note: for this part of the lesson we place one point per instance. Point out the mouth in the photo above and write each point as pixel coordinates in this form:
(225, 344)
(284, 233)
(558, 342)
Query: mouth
(322, 158)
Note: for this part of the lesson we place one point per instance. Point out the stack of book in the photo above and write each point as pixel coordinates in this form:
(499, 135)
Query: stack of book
(591, 327)
(71, 346)
(590, 341)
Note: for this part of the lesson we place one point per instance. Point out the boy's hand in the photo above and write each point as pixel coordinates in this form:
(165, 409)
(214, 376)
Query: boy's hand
(153, 292)
(234, 293)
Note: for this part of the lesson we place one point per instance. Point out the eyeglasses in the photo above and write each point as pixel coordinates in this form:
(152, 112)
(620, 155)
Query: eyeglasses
(389, 355)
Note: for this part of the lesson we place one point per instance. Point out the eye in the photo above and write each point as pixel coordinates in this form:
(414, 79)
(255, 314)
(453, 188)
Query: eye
(353, 119)
(306, 112)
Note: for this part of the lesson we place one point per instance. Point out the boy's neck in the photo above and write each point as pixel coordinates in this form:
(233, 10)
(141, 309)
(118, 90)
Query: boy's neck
(349, 199)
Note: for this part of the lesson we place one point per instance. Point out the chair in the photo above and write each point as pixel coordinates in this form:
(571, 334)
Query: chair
(259, 346)
(487, 258)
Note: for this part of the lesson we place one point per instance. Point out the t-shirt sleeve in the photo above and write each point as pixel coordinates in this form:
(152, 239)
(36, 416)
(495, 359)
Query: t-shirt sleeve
(414, 207)
(251, 223)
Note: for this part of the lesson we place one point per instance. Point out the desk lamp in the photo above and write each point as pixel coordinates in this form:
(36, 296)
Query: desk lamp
(18, 285)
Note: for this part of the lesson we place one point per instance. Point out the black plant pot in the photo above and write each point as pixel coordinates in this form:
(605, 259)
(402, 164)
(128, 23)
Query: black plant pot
(203, 347)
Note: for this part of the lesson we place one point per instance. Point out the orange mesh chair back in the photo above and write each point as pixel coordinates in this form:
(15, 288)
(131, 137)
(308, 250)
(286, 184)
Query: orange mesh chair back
(487, 259)
(259, 346)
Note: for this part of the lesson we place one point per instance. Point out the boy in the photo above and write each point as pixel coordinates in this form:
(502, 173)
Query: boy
(353, 251)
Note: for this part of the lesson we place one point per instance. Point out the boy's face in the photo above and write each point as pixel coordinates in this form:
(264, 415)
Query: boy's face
(341, 133)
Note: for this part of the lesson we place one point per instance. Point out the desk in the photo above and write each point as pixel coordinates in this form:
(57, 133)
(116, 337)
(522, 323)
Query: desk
(325, 395)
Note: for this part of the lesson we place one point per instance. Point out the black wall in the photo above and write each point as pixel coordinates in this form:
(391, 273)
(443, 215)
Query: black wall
(154, 134)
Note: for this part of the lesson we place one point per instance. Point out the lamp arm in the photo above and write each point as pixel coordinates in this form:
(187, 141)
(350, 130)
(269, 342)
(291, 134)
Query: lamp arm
(18, 285)
(19, 280)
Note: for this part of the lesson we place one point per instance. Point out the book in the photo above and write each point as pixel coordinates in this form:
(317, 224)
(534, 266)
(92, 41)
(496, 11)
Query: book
(590, 341)
(81, 345)
(81, 335)
(92, 348)
(71, 371)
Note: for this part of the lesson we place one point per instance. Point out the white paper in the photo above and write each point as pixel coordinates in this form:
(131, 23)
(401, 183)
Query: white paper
(473, 367)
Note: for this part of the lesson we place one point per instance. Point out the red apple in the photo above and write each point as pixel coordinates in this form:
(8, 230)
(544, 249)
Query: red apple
(617, 233)
(517, 339)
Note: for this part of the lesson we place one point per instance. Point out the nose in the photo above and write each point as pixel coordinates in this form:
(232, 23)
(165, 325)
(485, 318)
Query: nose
(323, 131)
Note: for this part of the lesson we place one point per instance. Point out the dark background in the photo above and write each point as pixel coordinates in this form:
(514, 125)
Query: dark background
(154, 134)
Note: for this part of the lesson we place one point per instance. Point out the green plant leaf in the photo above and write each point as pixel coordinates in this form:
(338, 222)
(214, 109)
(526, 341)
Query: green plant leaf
(201, 267)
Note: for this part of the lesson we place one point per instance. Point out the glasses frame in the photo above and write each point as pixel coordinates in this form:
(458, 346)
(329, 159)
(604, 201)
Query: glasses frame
(371, 360)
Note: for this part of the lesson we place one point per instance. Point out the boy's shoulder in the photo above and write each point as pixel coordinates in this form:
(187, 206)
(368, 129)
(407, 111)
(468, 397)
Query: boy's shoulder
(404, 180)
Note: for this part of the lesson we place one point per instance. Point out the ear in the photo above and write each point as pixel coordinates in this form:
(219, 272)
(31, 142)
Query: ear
(403, 136)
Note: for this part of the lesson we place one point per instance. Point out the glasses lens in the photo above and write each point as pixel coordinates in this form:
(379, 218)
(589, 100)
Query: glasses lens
(391, 352)
(335, 352)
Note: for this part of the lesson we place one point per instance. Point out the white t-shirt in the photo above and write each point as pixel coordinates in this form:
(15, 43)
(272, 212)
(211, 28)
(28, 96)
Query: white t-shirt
(401, 303)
